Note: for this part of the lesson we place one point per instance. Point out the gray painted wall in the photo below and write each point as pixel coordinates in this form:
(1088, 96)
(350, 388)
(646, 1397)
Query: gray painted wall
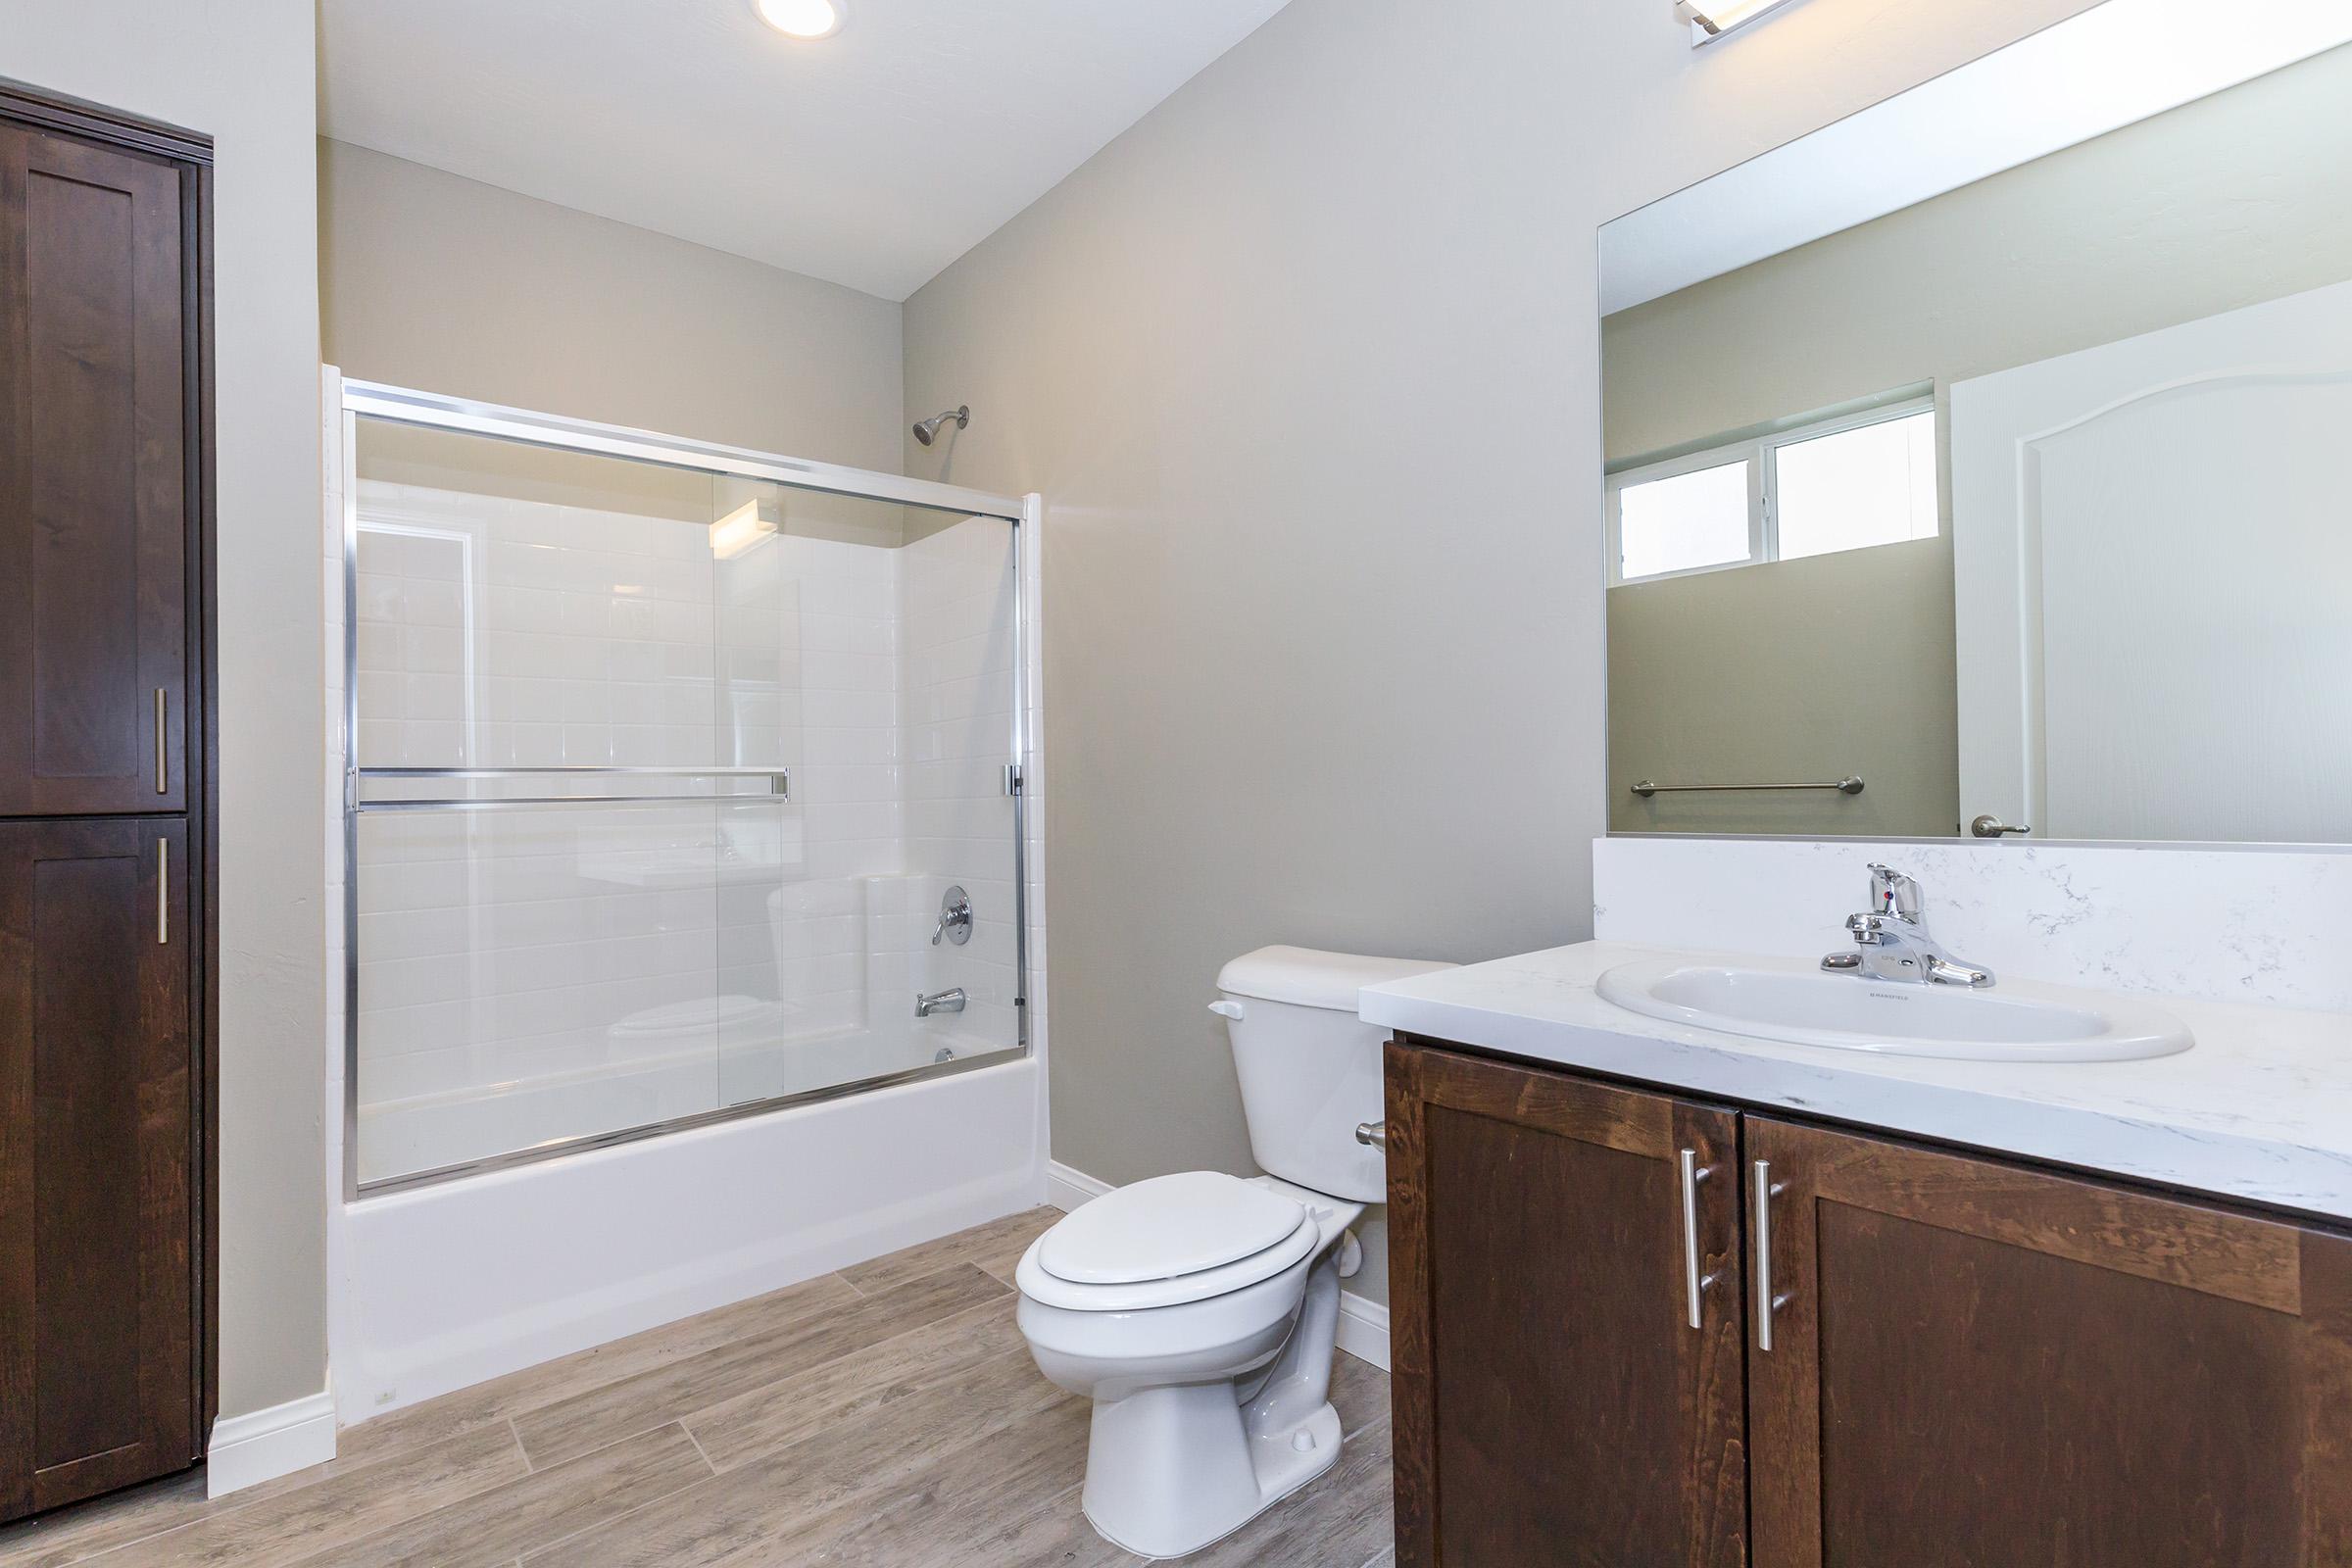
(434, 281)
(1796, 670)
(242, 70)
(2222, 203)
(1309, 366)
(1305, 365)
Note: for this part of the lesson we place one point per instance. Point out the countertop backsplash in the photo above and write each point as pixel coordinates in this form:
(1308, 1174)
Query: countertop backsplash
(2266, 927)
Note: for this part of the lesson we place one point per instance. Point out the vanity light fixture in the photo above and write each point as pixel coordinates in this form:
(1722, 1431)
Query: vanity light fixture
(803, 18)
(1710, 20)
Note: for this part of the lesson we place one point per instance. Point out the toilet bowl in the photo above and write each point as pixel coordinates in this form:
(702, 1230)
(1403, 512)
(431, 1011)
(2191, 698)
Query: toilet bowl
(1199, 1311)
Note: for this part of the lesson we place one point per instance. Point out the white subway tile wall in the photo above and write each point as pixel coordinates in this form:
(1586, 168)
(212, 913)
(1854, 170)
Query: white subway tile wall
(527, 975)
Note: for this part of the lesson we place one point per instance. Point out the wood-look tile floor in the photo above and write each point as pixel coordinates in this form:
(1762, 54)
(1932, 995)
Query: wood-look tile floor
(887, 1415)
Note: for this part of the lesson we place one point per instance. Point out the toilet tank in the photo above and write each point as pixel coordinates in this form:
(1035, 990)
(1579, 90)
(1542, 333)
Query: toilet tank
(1309, 1067)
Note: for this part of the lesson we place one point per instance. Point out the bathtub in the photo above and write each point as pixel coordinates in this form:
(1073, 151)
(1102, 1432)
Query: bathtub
(451, 1284)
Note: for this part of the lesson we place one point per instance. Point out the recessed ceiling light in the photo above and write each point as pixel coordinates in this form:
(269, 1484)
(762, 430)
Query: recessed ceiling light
(802, 19)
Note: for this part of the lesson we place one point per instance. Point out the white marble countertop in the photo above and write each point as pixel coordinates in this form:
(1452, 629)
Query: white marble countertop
(2260, 1108)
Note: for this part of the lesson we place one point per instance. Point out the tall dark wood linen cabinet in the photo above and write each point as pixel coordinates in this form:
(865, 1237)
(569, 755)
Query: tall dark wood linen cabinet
(106, 785)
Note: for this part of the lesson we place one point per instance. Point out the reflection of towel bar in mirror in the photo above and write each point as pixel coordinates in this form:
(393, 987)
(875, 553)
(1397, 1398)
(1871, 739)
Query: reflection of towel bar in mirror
(1851, 784)
(779, 787)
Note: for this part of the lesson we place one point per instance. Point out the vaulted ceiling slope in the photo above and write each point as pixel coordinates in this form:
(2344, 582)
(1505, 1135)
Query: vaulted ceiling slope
(873, 158)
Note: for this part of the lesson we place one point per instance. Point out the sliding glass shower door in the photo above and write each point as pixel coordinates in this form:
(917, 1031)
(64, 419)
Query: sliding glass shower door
(675, 791)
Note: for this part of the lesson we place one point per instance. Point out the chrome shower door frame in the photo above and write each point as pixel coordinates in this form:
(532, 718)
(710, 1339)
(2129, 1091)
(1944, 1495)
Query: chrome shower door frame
(463, 416)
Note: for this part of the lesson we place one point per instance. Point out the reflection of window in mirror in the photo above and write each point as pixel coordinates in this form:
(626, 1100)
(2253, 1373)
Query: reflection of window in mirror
(1812, 487)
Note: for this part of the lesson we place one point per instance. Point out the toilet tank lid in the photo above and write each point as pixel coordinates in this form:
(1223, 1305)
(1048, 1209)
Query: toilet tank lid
(1308, 978)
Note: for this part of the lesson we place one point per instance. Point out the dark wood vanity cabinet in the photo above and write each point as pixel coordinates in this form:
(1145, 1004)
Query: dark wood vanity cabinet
(94, 579)
(1977, 1362)
(106, 937)
(97, 1206)
(1969, 1362)
(1553, 1402)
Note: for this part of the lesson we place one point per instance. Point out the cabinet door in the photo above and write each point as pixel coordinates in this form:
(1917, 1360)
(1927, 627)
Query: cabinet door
(95, 481)
(1975, 1363)
(95, 1221)
(1553, 1402)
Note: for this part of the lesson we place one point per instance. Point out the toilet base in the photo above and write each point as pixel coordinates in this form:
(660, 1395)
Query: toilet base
(1135, 1436)
(1175, 1467)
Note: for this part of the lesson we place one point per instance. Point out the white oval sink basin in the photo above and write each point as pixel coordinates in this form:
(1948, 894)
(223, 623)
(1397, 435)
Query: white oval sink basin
(1803, 1004)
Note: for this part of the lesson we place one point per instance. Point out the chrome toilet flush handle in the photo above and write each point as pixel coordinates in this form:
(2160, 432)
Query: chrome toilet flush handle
(1373, 1135)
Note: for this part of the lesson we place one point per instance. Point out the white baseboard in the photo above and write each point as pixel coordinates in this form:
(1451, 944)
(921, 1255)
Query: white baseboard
(1364, 1329)
(1363, 1323)
(1066, 1189)
(248, 1450)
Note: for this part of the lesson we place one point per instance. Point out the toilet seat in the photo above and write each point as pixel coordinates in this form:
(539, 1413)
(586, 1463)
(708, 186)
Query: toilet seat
(1166, 1242)
(1168, 1226)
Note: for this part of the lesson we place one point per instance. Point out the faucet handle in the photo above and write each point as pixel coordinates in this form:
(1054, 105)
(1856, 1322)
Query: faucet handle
(955, 918)
(1892, 893)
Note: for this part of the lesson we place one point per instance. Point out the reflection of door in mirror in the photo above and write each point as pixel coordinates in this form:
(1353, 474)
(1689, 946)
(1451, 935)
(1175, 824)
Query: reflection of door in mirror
(2155, 582)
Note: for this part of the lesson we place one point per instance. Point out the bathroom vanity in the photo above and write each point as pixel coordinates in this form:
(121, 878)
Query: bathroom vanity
(1915, 429)
(1665, 1295)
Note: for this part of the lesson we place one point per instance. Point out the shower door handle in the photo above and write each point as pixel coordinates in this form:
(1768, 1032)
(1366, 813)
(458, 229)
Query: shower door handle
(777, 779)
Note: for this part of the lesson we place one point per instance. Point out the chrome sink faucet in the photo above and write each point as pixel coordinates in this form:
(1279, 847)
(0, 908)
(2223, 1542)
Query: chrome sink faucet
(1892, 942)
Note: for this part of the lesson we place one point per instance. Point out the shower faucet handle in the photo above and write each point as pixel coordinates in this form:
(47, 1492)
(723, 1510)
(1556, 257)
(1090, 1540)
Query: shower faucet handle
(955, 918)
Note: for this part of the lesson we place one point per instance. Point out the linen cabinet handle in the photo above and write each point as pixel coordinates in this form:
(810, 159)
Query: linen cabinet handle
(163, 754)
(1694, 1284)
(163, 893)
(1766, 1302)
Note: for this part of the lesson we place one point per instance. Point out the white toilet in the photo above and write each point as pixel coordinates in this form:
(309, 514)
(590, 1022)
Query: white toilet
(1198, 1310)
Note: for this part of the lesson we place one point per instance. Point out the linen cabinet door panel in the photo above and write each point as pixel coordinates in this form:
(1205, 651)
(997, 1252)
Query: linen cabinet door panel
(1976, 1363)
(94, 479)
(96, 1222)
(1554, 1402)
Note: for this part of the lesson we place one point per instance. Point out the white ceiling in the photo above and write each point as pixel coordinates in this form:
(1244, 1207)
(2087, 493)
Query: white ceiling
(873, 158)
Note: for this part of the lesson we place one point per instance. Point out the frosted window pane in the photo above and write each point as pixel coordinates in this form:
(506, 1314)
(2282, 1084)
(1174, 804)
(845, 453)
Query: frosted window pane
(1693, 519)
(1872, 486)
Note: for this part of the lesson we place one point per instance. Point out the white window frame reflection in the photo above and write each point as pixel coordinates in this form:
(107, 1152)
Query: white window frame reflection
(1761, 455)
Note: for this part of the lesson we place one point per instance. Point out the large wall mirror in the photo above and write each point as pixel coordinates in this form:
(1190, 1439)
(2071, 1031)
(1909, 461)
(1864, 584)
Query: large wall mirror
(1984, 461)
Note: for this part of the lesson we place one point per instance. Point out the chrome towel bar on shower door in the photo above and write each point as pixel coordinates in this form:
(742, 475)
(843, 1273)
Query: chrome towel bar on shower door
(1851, 784)
(779, 787)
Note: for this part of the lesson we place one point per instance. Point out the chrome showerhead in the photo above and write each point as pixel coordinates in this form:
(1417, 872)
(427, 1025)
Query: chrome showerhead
(927, 431)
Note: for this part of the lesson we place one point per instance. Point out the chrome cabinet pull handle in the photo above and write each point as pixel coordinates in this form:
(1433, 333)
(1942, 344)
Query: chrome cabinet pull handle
(163, 893)
(163, 757)
(1766, 1302)
(1694, 1284)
